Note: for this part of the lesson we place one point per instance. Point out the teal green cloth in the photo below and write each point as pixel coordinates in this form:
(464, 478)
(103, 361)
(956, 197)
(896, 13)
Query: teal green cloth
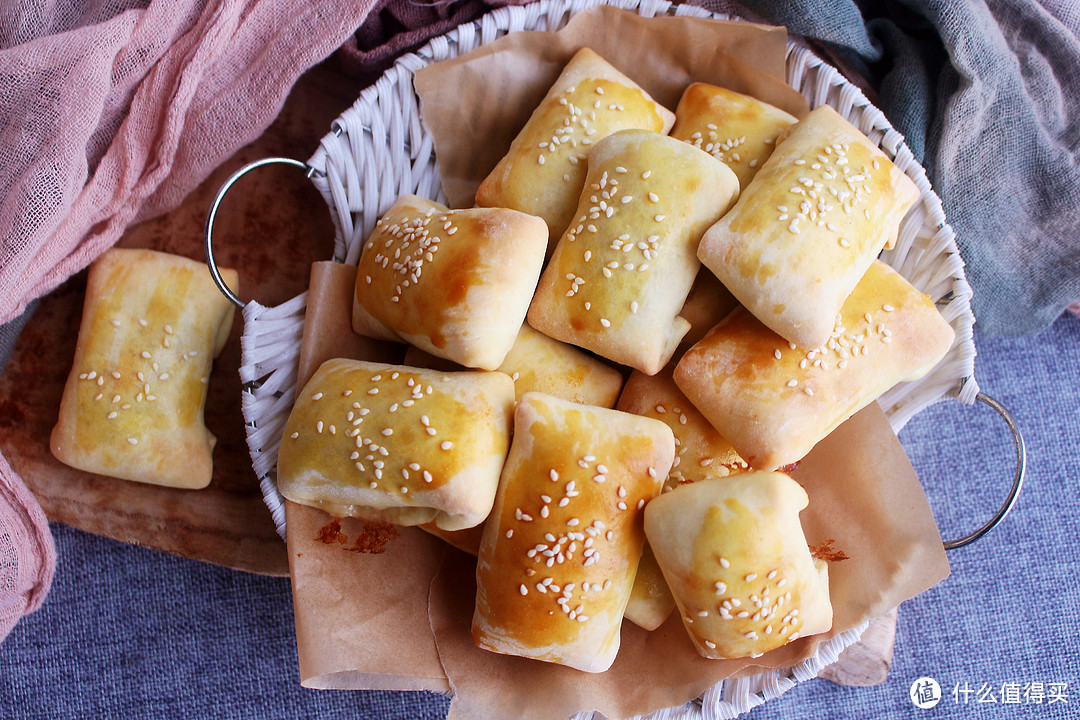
(987, 95)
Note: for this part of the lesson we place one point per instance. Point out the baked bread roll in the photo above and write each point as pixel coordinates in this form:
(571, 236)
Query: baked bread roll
(542, 364)
(774, 400)
(700, 453)
(560, 550)
(808, 225)
(736, 129)
(544, 171)
(736, 560)
(700, 450)
(708, 303)
(133, 403)
(397, 444)
(456, 283)
(621, 273)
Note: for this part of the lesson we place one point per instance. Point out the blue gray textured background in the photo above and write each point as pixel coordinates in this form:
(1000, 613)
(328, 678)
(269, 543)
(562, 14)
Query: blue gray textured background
(131, 633)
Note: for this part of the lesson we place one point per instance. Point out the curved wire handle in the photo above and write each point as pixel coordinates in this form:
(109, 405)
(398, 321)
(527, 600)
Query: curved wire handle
(1018, 479)
(1021, 453)
(209, 241)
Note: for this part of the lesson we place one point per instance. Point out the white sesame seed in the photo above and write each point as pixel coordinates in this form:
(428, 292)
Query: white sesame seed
(446, 445)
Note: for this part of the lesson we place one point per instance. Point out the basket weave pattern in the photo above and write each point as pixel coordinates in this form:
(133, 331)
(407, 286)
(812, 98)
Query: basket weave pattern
(378, 150)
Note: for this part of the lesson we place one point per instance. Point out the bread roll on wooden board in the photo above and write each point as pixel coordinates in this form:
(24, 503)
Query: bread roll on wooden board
(133, 403)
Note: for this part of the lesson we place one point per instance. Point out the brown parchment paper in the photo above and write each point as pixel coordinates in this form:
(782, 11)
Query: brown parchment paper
(475, 104)
(401, 619)
(360, 622)
(864, 496)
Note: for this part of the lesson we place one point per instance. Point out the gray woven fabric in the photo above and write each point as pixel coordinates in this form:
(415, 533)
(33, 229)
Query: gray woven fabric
(131, 633)
(987, 94)
(9, 333)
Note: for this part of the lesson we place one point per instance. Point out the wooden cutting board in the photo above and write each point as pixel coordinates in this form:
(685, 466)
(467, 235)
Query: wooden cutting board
(271, 227)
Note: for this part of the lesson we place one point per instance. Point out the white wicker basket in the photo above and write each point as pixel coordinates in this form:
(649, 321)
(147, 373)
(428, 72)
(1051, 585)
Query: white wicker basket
(378, 149)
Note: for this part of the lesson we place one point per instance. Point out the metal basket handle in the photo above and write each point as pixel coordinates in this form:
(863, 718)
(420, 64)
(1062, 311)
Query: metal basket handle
(1018, 479)
(1021, 453)
(209, 233)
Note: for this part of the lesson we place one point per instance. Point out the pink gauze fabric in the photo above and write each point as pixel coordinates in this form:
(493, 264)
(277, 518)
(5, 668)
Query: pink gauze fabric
(112, 112)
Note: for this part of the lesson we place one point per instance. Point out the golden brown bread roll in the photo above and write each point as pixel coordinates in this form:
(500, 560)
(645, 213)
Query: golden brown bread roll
(808, 226)
(708, 303)
(561, 547)
(456, 283)
(621, 273)
(397, 444)
(544, 171)
(774, 400)
(133, 403)
(539, 363)
(700, 453)
(736, 129)
(736, 560)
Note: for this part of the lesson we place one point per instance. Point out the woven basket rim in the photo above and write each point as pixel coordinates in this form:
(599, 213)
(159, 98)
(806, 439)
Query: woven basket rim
(268, 368)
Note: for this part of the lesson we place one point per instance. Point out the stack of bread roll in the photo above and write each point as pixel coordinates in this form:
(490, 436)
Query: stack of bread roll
(614, 360)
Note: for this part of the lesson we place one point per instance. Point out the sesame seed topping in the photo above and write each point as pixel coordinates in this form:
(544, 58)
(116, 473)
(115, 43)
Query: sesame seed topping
(446, 445)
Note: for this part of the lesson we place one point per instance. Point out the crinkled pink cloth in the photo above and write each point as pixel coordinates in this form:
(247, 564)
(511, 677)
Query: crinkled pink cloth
(112, 112)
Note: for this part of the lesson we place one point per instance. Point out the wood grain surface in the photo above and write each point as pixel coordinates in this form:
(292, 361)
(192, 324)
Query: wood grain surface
(271, 227)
